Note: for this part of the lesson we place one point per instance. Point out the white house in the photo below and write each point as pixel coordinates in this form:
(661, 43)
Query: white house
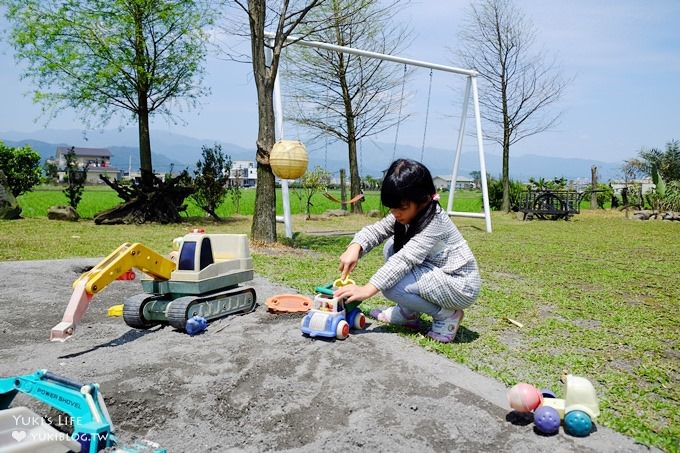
(462, 182)
(97, 161)
(243, 173)
(646, 184)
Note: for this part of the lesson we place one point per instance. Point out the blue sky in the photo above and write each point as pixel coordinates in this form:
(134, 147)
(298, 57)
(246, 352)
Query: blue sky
(624, 56)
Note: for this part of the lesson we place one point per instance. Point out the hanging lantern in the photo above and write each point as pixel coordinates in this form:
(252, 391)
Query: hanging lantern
(288, 159)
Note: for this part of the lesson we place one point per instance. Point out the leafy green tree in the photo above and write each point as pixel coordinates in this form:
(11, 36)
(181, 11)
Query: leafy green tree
(547, 184)
(666, 162)
(106, 57)
(664, 169)
(476, 176)
(235, 192)
(631, 193)
(51, 170)
(311, 183)
(633, 170)
(371, 183)
(604, 194)
(21, 167)
(211, 179)
(76, 176)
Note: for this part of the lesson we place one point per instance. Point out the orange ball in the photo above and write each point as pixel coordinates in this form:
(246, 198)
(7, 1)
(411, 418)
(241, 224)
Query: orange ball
(524, 397)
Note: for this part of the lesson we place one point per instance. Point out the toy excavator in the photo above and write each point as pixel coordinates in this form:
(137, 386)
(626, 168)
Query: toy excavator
(22, 430)
(201, 279)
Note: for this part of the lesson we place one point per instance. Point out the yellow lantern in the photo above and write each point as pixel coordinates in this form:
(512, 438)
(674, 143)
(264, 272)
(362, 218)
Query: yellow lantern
(288, 159)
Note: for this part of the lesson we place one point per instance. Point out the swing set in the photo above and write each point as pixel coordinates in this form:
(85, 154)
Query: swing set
(470, 92)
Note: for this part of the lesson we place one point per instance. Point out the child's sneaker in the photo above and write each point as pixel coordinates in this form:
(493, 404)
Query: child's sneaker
(395, 316)
(444, 330)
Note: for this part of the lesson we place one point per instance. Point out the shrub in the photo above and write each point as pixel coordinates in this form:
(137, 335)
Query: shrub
(495, 187)
(21, 167)
(76, 177)
(211, 179)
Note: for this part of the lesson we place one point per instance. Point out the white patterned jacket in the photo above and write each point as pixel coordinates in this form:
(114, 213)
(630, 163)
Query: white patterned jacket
(439, 257)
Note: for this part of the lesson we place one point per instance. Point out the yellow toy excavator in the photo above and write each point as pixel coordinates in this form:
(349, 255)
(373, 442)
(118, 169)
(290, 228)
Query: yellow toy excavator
(201, 279)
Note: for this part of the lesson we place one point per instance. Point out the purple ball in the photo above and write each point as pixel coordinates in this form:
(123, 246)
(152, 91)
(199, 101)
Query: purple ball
(547, 420)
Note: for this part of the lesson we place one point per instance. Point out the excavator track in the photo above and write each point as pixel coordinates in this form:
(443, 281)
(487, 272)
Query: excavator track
(133, 311)
(211, 307)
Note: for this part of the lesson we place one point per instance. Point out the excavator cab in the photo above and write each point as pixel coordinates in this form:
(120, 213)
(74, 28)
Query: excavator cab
(197, 251)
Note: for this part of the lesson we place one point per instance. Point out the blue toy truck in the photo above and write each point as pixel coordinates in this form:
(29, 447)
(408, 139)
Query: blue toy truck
(331, 317)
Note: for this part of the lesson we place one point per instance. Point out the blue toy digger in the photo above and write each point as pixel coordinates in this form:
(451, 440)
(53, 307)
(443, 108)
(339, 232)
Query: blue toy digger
(23, 430)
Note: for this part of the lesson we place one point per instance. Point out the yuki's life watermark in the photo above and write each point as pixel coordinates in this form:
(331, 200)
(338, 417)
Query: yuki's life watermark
(27, 430)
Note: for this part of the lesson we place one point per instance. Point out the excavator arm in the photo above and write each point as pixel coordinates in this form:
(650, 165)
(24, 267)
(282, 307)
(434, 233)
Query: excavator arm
(118, 263)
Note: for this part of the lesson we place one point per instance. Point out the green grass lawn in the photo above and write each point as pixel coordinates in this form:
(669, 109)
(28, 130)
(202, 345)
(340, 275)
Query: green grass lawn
(597, 296)
(98, 198)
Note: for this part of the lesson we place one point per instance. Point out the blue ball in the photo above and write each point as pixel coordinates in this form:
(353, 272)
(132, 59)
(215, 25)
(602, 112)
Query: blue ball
(578, 423)
(547, 420)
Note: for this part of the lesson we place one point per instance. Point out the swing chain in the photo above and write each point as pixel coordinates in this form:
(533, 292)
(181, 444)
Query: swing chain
(401, 103)
(427, 116)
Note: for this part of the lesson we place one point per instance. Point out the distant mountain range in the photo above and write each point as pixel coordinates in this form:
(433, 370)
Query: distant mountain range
(176, 152)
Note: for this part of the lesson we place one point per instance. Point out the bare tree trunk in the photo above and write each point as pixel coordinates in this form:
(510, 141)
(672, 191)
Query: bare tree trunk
(593, 185)
(507, 131)
(343, 190)
(354, 178)
(264, 218)
(265, 70)
(145, 165)
(505, 206)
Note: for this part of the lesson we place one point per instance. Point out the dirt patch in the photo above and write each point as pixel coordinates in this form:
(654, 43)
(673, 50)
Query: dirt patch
(254, 383)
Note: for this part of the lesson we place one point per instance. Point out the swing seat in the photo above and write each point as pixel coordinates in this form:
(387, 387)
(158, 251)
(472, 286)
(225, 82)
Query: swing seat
(352, 201)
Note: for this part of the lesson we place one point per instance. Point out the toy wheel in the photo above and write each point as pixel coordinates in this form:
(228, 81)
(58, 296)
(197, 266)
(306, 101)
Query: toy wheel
(359, 321)
(550, 207)
(181, 310)
(342, 331)
(133, 311)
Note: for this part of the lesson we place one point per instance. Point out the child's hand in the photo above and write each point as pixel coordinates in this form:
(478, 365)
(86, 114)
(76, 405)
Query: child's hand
(348, 260)
(353, 293)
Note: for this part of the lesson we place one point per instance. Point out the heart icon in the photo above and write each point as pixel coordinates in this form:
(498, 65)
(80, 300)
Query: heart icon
(19, 435)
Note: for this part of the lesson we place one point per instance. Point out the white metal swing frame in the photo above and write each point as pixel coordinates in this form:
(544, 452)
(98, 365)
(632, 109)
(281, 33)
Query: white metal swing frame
(470, 90)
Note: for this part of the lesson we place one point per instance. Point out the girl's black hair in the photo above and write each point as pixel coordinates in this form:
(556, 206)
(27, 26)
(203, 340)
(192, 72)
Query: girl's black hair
(409, 181)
